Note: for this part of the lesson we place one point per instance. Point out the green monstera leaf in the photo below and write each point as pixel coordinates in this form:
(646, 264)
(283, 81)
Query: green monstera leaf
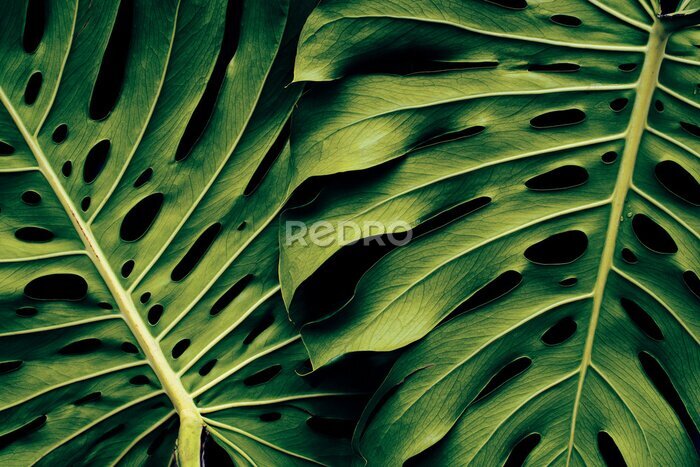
(544, 155)
(144, 159)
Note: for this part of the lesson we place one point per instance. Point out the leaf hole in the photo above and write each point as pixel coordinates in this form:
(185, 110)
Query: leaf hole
(451, 136)
(127, 268)
(85, 203)
(207, 367)
(505, 374)
(81, 347)
(145, 297)
(558, 249)
(155, 313)
(270, 157)
(141, 217)
(199, 120)
(509, 4)
(95, 161)
(440, 219)
(67, 168)
(561, 178)
(144, 178)
(110, 79)
(22, 432)
(6, 149)
(270, 417)
(331, 427)
(259, 328)
(568, 282)
(180, 348)
(642, 319)
(566, 20)
(659, 106)
(562, 331)
(10, 366)
(31, 197)
(678, 181)
(628, 256)
(68, 287)
(555, 68)
(609, 157)
(609, 451)
(105, 306)
(31, 91)
(60, 133)
(230, 295)
(140, 380)
(128, 347)
(34, 25)
(196, 252)
(522, 450)
(26, 311)
(628, 67)
(34, 235)
(652, 235)
(92, 397)
(619, 104)
(263, 376)
(558, 118)
(493, 290)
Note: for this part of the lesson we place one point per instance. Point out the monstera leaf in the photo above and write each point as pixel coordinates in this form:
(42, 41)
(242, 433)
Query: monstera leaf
(144, 157)
(545, 156)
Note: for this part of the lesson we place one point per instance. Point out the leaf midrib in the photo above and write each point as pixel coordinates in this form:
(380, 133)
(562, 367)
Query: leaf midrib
(190, 419)
(645, 88)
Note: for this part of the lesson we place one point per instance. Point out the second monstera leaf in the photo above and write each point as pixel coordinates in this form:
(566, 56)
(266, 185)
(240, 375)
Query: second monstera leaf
(545, 154)
(144, 158)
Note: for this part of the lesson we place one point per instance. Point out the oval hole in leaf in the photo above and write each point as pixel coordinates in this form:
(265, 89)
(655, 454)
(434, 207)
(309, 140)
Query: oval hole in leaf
(440, 219)
(31, 92)
(561, 178)
(34, 25)
(525, 446)
(692, 282)
(558, 118)
(10, 366)
(34, 235)
(505, 374)
(331, 427)
(691, 128)
(510, 4)
(26, 311)
(85, 203)
(139, 380)
(95, 161)
(493, 290)
(566, 20)
(69, 287)
(31, 197)
(213, 455)
(560, 332)
(180, 348)
(609, 451)
(22, 432)
(652, 235)
(270, 417)
(672, 176)
(67, 168)
(658, 105)
(609, 157)
(60, 134)
(144, 178)
(127, 268)
(6, 149)
(155, 313)
(642, 319)
(270, 157)
(92, 397)
(619, 104)
(81, 347)
(207, 367)
(263, 376)
(141, 217)
(259, 328)
(105, 306)
(628, 256)
(234, 291)
(661, 381)
(196, 252)
(110, 433)
(561, 248)
(628, 67)
(202, 114)
(128, 347)
(145, 297)
(568, 282)
(555, 68)
(110, 78)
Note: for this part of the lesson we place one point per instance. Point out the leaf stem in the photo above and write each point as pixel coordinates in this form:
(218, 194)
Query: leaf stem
(190, 420)
(645, 90)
